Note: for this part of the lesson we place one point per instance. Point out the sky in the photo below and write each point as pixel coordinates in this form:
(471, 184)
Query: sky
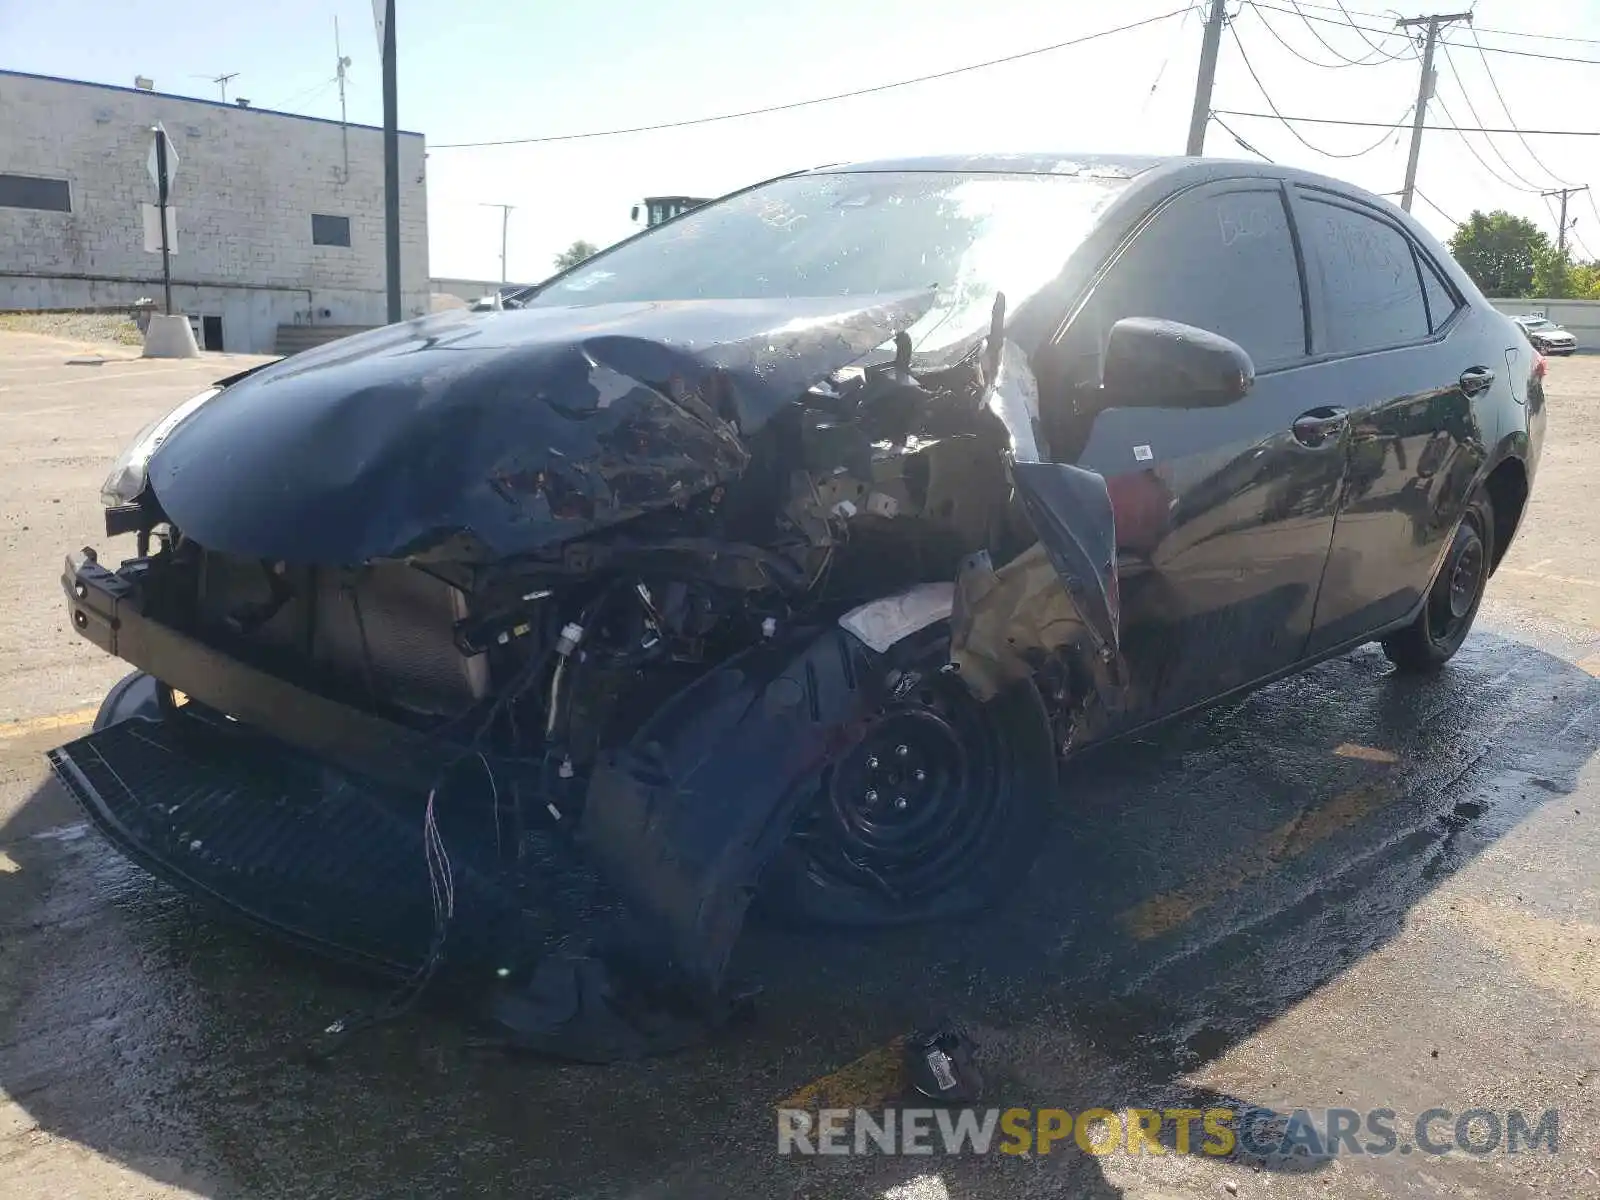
(504, 69)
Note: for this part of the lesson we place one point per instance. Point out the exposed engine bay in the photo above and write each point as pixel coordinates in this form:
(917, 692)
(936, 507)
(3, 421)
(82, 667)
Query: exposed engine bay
(872, 484)
(816, 649)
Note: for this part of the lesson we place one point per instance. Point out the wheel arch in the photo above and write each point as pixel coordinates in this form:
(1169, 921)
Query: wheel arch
(1507, 488)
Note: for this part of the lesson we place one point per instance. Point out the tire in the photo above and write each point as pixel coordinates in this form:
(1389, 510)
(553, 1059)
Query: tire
(1446, 617)
(877, 847)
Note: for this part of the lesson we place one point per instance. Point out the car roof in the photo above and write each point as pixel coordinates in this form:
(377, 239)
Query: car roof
(1123, 165)
(1151, 177)
(1176, 168)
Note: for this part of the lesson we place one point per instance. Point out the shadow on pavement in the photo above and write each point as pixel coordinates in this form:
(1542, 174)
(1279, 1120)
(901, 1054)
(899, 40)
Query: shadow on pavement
(1202, 882)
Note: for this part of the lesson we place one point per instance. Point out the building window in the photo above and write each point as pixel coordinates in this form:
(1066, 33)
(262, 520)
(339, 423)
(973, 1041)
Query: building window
(329, 231)
(28, 191)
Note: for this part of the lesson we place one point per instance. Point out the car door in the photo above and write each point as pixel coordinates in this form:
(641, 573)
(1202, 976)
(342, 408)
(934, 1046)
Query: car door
(1404, 357)
(1223, 514)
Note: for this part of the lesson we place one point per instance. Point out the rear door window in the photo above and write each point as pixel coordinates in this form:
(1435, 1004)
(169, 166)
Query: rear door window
(1371, 289)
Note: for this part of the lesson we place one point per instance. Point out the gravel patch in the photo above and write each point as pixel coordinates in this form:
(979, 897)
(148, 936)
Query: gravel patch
(83, 327)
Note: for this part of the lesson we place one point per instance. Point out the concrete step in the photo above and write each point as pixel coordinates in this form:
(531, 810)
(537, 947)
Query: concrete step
(292, 339)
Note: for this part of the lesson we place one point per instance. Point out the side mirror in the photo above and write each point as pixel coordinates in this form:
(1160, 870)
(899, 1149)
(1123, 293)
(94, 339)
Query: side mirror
(1163, 364)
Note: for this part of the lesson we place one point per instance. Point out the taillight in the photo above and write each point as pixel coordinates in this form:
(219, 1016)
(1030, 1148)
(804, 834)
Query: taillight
(1538, 365)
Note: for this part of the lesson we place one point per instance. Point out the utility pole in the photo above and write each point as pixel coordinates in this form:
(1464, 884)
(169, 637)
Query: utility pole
(1201, 116)
(163, 186)
(505, 218)
(1561, 225)
(1424, 92)
(391, 161)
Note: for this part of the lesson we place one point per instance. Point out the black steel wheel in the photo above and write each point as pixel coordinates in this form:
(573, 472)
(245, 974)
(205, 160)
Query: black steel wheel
(1452, 603)
(935, 809)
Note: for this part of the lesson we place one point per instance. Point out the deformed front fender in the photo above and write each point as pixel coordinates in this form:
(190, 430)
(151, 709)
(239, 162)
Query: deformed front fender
(1062, 590)
(683, 818)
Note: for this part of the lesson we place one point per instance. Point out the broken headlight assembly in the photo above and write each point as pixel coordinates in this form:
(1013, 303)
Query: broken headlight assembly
(127, 476)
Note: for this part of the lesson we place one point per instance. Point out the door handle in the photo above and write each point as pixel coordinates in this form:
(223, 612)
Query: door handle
(1476, 380)
(1320, 426)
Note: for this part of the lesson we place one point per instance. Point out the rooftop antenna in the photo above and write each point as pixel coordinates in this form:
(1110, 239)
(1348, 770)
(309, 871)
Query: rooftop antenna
(222, 82)
(342, 65)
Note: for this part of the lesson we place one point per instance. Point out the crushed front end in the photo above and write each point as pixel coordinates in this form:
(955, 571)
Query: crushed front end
(532, 662)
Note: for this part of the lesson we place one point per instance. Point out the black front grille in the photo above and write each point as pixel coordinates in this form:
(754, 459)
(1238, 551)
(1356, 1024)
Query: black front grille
(312, 855)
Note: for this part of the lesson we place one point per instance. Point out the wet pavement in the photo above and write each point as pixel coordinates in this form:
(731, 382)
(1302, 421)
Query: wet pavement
(1350, 890)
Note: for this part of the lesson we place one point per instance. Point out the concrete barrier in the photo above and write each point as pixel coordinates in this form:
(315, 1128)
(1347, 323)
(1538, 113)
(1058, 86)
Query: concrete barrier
(170, 336)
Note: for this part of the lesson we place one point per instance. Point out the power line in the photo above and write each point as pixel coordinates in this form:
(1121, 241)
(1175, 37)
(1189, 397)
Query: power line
(305, 96)
(1350, 22)
(1435, 207)
(1461, 83)
(1506, 108)
(1589, 196)
(1243, 144)
(1547, 37)
(1360, 33)
(1554, 220)
(1275, 116)
(1594, 62)
(1472, 150)
(1261, 87)
(829, 99)
(1162, 69)
(1343, 62)
(1373, 48)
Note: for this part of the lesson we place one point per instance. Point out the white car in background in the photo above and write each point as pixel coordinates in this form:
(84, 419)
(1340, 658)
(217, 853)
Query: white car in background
(1547, 337)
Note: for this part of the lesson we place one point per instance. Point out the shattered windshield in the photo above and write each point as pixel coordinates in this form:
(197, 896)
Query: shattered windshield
(970, 235)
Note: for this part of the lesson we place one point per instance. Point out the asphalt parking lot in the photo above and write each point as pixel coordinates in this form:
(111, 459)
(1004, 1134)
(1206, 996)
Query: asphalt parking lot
(1349, 891)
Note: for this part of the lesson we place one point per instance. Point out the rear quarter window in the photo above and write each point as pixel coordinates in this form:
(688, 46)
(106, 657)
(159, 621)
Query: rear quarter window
(1442, 300)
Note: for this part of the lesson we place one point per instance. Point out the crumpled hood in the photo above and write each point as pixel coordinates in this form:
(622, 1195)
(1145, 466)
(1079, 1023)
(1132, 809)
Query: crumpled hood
(500, 433)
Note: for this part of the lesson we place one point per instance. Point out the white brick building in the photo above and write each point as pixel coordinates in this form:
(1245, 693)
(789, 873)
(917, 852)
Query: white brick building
(249, 187)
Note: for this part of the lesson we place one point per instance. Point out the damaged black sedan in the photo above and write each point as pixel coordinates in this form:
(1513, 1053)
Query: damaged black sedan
(778, 556)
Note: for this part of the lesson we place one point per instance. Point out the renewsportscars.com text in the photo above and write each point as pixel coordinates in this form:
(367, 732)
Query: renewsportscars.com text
(1217, 1132)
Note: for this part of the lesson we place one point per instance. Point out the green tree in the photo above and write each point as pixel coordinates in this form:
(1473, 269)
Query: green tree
(1552, 271)
(1583, 281)
(575, 254)
(1499, 250)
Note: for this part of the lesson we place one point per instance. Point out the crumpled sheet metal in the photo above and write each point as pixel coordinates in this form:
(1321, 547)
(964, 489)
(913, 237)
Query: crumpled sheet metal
(1005, 620)
(476, 437)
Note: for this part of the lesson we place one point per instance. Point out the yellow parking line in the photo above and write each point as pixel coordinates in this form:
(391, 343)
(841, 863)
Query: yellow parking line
(66, 720)
(81, 380)
(865, 1083)
(1170, 910)
(1365, 753)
